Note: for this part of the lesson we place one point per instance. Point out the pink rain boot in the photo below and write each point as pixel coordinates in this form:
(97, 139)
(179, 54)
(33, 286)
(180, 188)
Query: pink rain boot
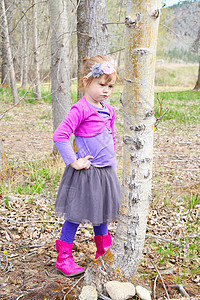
(102, 242)
(65, 263)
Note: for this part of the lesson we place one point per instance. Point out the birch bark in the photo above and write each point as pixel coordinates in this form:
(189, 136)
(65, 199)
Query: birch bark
(91, 33)
(121, 260)
(24, 60)
(197, 85)
(35, 53)
(196, 48)
(60, 63)
(1, 158)
(9, 55)
(5, 74)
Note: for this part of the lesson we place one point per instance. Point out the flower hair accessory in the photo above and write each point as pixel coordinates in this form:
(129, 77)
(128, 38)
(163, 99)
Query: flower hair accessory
(99, 69)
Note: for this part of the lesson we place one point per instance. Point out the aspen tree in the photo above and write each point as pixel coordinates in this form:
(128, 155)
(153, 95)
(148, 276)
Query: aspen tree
(24, 58)
(9, 54)
(91, 32)
(60, 63)
(35, 52)
(121, 260)
(196, 48)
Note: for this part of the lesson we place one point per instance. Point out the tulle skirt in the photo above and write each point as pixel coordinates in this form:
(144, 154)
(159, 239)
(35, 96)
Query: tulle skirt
(91, 195)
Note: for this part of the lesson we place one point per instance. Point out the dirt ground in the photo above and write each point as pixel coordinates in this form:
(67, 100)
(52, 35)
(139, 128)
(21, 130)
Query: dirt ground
(29, 227)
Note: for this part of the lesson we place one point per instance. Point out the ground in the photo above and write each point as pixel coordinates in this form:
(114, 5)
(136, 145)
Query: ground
(29, 227)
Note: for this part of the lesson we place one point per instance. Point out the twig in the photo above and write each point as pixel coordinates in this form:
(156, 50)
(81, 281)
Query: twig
(158, 119)
(8, 232)
(20, 297)
(31, 221)
(116, 51)
(180, 287)
(73, 286)
(154, 287)
(111, 23)
(32, 246)
(161, 279)
(101, 296)
(166, 240)
(3, 114)
(50, 275)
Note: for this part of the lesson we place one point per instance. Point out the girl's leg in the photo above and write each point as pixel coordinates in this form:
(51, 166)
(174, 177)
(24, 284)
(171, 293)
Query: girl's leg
(101, 229)
(102, 239)
(65, 263)
(68, 232)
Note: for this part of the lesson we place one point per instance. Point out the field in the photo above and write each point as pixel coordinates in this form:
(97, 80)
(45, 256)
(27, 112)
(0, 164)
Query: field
(31, 178)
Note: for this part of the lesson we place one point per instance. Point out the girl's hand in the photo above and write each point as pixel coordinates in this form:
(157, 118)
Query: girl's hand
(82, 163)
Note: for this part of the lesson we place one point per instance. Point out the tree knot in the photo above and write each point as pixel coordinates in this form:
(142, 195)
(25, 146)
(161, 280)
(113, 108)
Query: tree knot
(129, 22)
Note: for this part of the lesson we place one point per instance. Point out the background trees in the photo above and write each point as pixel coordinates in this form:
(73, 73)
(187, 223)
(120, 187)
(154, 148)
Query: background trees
(7, 49)
(60, 63)
(176, 36)
(92, 33)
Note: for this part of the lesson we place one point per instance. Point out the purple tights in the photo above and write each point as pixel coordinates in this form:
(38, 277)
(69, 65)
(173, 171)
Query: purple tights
(69, 230)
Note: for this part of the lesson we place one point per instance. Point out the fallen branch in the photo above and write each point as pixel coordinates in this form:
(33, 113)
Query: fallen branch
(73, 287)
(166, 240)
(31, 221)
(101, 296)
(31, 246)
(160, 278)
(4, 113)
(180, 287)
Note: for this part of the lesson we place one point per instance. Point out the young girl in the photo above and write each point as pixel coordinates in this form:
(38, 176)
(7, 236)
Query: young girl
(89, 190)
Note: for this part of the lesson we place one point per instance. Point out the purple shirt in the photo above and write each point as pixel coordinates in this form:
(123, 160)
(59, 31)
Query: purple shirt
(100, 146)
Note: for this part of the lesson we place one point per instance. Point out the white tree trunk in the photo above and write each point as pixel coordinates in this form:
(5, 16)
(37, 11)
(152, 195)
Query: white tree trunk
(60, 63)
(9, 55)
(92, 34)
(121, 260)
(1, 158)
(197, 85)
(5, 74)
(24, 56)
(35, 52)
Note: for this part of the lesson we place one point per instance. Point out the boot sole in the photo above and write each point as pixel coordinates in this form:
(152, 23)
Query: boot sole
(70, 275)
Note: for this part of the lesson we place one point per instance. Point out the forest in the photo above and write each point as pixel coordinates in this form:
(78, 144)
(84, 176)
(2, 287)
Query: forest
(156, 245)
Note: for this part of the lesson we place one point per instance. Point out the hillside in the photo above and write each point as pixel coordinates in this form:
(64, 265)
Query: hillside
(179, 26)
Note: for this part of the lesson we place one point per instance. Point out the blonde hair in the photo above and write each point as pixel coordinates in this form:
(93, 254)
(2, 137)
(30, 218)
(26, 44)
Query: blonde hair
(87, 64)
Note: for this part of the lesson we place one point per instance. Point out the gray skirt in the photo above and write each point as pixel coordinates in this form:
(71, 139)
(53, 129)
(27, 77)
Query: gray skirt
(91, 195)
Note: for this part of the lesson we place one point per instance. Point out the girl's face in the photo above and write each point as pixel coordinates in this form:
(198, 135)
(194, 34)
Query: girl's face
(98, 90)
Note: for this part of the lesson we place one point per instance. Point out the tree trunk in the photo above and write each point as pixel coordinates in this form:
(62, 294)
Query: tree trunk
(197, 85)
(91, 33)
(1, 158)
(35, 53)
(9, 55)
(60, 63)
(24, 68)
(5, 74)
(121, 260)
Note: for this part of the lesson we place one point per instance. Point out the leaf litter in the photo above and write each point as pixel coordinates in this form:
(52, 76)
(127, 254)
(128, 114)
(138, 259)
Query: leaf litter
(29, 227)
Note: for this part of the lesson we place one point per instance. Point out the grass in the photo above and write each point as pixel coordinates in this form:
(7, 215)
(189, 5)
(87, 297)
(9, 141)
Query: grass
(43, 176)
(183, 106)
(176, 75)
(34, 177)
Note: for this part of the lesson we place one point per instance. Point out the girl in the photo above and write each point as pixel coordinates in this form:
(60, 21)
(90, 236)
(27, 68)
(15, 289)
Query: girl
(89, 189)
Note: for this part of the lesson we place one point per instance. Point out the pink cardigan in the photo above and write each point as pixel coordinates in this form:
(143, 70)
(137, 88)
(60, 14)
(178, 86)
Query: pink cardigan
(83, 120)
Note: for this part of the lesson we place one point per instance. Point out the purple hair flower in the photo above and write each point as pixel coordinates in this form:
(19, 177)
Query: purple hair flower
(99, 69)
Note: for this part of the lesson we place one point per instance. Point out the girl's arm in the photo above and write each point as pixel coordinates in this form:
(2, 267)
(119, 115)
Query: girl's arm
(63, 132)
(66, 151)
(112, 125)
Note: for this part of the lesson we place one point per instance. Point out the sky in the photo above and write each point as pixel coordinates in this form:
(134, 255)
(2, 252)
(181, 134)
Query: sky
(170, 2)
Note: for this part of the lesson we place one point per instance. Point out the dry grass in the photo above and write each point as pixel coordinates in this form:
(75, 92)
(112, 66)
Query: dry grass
(27, 207)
